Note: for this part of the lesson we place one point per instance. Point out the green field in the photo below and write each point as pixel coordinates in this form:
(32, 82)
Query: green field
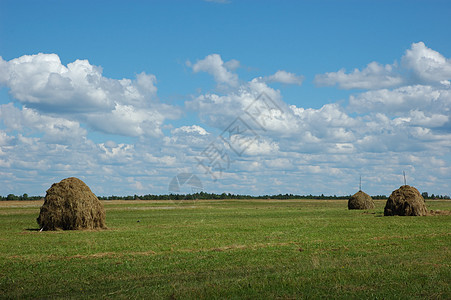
(231, 249)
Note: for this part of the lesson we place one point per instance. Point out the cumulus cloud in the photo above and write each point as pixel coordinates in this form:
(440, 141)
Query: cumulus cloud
(4, 138)
(426, 64)
(80, 92)
(374, 76)
(285, 78)
(42, 81)
(325, 141)
(193, 129)
(187, 141)
(425, 120)
(403, 99)
(262, 146)
(129, 120)
(214, 65)
(420, 106)
(419, 65)
(116, 153)
(394, 125)
(54, 130)
(260, 107)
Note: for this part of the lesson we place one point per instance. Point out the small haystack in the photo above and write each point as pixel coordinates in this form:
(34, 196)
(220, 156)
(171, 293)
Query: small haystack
(71, 205)
(360, 200)
(405, 201)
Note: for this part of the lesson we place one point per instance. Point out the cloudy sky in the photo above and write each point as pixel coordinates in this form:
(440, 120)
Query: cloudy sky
(252, 97)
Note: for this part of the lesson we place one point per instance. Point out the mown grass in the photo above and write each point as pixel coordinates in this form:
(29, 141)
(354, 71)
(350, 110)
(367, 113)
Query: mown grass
(229, 249)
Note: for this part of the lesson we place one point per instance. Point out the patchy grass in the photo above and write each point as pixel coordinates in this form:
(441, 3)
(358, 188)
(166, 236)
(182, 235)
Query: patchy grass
(229, 249)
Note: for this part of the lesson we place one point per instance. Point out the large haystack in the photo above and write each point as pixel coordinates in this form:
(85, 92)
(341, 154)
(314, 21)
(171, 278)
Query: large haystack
(360, 200)
(405, 201)
(70, 205)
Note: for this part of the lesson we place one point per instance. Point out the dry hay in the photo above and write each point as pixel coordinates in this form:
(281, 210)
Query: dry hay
(71, 205)
(439, 213)
(405, 201)
(361, 200)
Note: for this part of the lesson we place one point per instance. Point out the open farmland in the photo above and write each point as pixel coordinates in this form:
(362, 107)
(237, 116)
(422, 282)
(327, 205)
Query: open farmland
(228, 249)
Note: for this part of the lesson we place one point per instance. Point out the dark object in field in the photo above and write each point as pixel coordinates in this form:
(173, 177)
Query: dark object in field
(405, 201)
(360, 200)
(439, 213)
(71, 205)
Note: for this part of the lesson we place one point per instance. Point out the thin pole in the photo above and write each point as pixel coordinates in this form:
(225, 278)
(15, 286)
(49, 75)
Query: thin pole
(404, 173)
(360, 185)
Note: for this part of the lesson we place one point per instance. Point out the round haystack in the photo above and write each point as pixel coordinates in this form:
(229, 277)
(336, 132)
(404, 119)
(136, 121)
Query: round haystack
(71, 205)
(405, 201)
(360, 200)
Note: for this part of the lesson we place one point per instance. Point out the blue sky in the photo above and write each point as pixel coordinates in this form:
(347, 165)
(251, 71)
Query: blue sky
(127, 95)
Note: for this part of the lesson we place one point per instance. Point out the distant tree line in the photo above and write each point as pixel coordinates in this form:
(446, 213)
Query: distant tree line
(213, 196)
(223, 196)
(24, 197)
(432, 196)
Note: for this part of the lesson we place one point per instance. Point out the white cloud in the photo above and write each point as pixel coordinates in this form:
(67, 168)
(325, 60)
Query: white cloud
(273, 115)
(402, 99)
(190, 129)
(80, 92)
(113, 154)
(214, 65)
(128, 120)
(4, 138)
(298, 149)
(326, 142)
(284, 77)
(232, 64)
(186, 142)
(41, 80)
(279, 163)
(262, 147)
(419, 118)
(54, 130)
(419, 65)
(403, 114)
(374, 76)
(426, 64)
(165, 160)
(332, 115)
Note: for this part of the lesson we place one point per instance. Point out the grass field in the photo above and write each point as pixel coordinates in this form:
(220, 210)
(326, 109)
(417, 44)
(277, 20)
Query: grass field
(229, 249)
